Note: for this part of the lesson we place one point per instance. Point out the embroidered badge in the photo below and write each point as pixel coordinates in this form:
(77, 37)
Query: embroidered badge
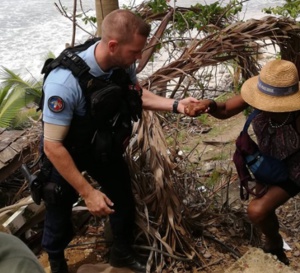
(56, 104)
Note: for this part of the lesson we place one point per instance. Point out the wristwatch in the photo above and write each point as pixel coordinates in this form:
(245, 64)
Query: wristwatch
(175, 106)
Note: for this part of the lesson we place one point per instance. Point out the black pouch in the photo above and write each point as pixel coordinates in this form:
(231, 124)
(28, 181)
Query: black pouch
(34, 183)
(52, 193)
(105, 102)
(36, 191)
(135, 103)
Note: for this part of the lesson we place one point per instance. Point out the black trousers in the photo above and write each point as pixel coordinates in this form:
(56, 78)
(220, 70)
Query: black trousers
(115, 182)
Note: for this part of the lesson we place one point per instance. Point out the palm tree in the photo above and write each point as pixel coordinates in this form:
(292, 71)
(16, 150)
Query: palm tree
(17, 98)
(103, 7)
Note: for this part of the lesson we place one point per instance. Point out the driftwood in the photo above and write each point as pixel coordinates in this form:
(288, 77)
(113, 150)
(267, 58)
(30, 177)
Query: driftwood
(21, 216)
(16, 147)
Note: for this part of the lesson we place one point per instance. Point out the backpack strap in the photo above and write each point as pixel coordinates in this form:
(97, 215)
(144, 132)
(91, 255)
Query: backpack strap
(66, 59)
(250, 118)
(80, 70)
(69, 59)
(238, 159)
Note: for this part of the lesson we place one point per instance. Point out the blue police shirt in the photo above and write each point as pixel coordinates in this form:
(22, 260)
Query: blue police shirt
(62, 93)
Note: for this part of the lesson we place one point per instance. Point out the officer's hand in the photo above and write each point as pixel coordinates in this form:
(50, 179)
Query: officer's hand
(195, 109)
(98, 203)
(183, 103)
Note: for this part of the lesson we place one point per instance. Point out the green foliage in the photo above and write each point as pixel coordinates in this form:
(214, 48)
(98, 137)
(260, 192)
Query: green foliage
(16, 94)
(87, 19)
(201, 15)
(291, 8)
(24, 118)
(203, 119)
(49, 55)
(214, 178)
(158, 6)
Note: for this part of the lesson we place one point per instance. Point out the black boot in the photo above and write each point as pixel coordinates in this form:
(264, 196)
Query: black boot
(124, 256)
(279, 253)
(58, 266)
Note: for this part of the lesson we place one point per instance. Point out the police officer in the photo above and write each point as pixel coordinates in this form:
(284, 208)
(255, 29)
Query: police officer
(80, 134)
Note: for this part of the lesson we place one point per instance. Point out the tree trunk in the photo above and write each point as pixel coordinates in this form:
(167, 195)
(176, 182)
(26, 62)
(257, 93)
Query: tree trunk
(103, 7)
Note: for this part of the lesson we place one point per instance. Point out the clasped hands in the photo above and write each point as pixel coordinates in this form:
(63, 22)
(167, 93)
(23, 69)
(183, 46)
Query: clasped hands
(195, 109)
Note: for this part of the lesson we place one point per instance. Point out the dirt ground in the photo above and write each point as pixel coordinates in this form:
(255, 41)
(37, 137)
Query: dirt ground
(231, 233)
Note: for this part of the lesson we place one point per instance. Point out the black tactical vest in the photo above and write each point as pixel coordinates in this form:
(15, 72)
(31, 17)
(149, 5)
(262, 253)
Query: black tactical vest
(103, 133)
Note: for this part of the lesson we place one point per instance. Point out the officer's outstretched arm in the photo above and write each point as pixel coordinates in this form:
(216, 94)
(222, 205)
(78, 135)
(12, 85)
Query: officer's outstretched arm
(154, 102)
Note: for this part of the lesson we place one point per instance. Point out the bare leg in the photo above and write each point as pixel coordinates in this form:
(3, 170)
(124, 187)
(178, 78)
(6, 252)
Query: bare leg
(270, 228)
(261, 212)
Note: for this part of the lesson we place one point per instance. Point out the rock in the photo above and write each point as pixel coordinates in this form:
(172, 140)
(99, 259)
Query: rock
(256, 261)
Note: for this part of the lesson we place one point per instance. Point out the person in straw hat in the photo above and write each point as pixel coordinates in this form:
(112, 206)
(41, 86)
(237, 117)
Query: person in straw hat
(276, 93)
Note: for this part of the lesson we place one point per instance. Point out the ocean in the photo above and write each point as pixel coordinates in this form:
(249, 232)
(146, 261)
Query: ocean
(29, 30)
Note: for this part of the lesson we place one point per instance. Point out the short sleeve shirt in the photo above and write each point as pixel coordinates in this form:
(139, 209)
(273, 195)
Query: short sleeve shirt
(63, 96)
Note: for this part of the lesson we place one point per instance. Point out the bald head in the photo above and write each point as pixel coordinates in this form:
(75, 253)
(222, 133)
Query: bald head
(122, 24)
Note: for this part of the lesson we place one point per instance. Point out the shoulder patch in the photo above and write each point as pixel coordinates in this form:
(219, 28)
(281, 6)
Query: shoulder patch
(56, 104)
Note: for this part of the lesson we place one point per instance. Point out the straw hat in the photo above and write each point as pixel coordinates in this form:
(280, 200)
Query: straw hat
(276, 89)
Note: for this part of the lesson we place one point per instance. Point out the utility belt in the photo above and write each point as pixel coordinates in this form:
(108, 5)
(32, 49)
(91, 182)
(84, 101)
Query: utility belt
(42, 187)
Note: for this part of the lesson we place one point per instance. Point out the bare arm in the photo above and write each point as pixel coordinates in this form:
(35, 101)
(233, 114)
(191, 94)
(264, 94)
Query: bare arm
(158, 103)
(96, 201)
(220, 110)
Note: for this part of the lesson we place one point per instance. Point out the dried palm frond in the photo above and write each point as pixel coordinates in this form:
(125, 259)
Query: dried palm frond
(157, 187)
(170, 207)
(154, 40)
(239, 42)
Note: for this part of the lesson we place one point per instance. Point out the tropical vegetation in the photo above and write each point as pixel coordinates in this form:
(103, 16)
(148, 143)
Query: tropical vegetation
(17, 99)
(291, 8)
(202, 56)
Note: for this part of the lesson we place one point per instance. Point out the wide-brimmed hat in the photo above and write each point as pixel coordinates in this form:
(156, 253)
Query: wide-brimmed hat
(275, 89)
